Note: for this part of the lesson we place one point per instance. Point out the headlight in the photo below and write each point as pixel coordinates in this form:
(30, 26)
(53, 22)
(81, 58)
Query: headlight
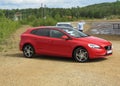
(94, 46)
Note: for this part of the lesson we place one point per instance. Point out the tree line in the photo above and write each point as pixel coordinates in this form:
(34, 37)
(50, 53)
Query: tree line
(93, 11)
(49, 16)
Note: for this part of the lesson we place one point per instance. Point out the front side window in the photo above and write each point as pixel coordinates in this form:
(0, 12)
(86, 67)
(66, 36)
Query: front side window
(56, 34)
(74, 33)
(41, 32)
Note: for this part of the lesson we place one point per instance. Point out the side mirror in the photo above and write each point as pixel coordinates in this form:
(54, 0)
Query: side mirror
(65, 37)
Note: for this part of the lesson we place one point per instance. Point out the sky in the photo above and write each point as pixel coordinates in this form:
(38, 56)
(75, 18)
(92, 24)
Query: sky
(21, 4)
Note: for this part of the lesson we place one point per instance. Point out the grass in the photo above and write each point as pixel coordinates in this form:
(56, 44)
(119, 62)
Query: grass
(7, 27)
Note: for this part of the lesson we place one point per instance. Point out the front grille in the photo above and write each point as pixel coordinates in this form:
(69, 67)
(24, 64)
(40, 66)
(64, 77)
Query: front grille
(108, 47)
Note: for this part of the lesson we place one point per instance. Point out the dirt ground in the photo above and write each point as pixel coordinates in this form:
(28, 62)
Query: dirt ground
(15, 70)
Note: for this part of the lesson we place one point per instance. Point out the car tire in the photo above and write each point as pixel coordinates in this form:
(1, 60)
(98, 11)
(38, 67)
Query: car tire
(28, 51)
(80, 55)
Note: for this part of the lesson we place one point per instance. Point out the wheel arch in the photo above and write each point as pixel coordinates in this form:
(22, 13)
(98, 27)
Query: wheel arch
(28, 44)
(80, 47)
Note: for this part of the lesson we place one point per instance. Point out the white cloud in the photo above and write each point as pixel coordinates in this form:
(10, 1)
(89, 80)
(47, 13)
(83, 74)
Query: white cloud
(28, 1)
(11, 1)
(35, 3)
(10, 4)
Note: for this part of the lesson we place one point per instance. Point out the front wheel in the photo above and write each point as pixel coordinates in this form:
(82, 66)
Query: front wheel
(80, 55)
(28, 51)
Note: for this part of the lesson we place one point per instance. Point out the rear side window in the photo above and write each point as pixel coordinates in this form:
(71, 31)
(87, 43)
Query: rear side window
(41, 32)
(56, 34)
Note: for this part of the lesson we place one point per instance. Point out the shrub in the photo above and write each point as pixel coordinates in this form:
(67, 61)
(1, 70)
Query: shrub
(7, 27)
(44, 22)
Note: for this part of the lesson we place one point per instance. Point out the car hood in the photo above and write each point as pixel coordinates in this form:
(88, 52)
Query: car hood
(94, 40)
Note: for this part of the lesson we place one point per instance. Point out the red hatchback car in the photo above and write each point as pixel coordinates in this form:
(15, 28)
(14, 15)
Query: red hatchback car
(64, 42)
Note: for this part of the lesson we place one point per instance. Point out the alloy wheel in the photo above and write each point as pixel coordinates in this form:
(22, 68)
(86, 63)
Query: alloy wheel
(28, 51)
(81, 55)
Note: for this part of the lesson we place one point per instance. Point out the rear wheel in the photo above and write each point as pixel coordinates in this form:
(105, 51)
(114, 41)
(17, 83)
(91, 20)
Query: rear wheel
(80, 54)
(28, 51)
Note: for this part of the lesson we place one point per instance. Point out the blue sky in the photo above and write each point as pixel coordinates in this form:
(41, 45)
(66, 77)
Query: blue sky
(20, 4)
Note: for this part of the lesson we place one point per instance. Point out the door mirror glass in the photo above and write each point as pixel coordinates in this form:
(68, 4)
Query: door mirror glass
(65, 37)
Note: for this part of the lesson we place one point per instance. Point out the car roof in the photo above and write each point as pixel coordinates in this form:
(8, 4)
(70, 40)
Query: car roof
(44, 27)
(63, 23)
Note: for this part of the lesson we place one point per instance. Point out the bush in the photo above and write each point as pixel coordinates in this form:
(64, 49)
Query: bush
(44, 22)
(24, 22)
(7, 27)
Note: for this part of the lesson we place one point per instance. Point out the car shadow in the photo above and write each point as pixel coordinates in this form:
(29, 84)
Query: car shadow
(14, 55)
(97, 60)
(53, 58)
(41, 57)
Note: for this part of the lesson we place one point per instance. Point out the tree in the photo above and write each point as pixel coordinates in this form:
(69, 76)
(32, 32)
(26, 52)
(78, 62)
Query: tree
(57, 17)
(2, 15)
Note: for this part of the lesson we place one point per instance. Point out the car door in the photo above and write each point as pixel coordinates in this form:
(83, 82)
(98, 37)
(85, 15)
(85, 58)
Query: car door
(42, 41)
(59, 46)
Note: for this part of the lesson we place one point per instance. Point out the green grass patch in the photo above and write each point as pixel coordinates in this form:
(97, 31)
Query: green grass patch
(7, 27)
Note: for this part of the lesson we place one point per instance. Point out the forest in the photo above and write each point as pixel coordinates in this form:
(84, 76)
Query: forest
(92, 11)
(10, 19)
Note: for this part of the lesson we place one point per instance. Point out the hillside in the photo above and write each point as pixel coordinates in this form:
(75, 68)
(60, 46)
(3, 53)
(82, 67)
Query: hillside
(101, 10)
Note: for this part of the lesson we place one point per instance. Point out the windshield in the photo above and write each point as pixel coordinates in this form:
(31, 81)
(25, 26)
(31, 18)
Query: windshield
(74, 32)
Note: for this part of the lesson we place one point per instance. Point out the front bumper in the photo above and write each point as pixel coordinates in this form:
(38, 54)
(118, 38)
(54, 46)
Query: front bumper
(100, 53)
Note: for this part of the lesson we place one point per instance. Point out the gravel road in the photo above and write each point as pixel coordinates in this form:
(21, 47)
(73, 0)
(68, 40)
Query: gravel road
(15, 70)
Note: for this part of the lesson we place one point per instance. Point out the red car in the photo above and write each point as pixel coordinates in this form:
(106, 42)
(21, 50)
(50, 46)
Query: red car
(63, 42)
